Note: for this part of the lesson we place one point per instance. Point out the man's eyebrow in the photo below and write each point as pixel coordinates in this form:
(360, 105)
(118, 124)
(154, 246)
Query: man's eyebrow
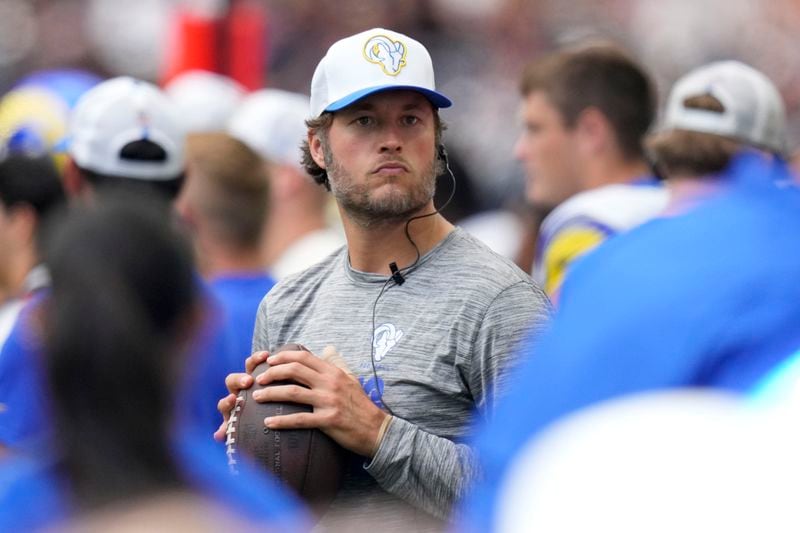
(359, 106)
(366, 106)
(413, 105)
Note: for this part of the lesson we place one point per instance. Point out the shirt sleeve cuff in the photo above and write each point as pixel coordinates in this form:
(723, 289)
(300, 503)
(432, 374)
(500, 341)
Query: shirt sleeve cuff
(390, 444)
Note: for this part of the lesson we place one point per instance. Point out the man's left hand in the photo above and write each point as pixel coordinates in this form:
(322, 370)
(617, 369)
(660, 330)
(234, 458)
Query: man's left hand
(341, 407)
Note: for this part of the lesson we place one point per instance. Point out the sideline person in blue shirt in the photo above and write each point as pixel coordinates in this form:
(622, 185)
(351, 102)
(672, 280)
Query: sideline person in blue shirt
(224, 204)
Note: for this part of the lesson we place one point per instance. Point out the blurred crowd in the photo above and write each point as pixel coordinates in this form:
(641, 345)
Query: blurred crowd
(478, 46)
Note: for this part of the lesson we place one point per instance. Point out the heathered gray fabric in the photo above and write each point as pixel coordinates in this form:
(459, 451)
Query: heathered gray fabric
(461, 311)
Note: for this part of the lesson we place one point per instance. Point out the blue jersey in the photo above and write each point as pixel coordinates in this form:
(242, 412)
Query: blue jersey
(30, 496)
(237, 298)
(33, 496)
(24, 409)
(781, 386)
(709, 298)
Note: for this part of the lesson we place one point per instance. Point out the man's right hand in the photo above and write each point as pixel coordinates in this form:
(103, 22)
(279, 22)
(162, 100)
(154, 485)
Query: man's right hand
(235, 383)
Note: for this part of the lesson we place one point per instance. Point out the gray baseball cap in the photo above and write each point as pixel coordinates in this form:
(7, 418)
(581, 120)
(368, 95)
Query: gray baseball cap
(753, 113)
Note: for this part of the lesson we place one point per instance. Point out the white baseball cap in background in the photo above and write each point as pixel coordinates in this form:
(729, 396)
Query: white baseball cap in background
(120, 111)
(754, 111)
(205, 100)
(272, 123)
(369, 62)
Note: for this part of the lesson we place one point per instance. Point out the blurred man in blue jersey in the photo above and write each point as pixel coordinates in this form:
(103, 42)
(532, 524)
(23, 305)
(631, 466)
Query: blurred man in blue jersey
(706, 297)
(224, 204)
(30, 191)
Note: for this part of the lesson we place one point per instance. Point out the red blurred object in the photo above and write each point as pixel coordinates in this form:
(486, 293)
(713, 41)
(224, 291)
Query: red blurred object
(247, 44)
(233, 44)
(194, 45)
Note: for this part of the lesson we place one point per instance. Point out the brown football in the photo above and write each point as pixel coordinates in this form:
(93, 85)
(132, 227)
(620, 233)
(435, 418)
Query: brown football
(307, 460)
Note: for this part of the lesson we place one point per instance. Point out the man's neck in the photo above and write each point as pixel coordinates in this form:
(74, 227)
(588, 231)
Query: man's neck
(372, 248)
(219, 261)
(22, 262)
(610, 171)
(686, 192)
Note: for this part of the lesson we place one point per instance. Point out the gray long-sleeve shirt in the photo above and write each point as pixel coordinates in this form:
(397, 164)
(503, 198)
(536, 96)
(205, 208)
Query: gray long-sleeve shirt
(442, 342)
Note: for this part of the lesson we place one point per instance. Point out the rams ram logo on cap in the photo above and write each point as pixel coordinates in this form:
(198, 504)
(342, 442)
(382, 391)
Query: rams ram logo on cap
(389, 54)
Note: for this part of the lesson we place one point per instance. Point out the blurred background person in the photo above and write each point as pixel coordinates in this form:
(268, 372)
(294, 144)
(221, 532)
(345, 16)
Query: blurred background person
(585, 112)
(225, 205)
(118, 263)
(124, 133)
(302, 228)
(33, 121)
(703, 298)
(708, 116)
(30, 191)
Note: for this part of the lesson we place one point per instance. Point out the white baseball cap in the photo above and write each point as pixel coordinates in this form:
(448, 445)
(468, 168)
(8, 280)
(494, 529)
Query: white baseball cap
(120, 111)
(753, 113)
(369, 62)
(204, 99)
(272, 123)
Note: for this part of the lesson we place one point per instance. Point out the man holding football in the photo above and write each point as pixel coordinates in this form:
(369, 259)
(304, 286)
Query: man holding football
(424, 316)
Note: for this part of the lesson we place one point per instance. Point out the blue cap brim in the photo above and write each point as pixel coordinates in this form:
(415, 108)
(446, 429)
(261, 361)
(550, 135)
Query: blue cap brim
(438, 100)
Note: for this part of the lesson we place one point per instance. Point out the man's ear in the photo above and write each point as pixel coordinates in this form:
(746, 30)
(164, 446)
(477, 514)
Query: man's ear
(23, 220)
(184, 208)
(73, 179)
(594, 130)
(285, 181)
(315, 147)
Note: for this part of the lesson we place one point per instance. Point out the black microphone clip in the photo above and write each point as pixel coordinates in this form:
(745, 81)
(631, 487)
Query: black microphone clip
(397, 276)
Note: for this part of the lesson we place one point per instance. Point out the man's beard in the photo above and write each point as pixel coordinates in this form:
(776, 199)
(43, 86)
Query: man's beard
(397, 206)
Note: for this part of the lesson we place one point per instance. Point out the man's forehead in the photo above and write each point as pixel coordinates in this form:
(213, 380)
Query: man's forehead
(404, 99)
(539, 99)
(539, 104)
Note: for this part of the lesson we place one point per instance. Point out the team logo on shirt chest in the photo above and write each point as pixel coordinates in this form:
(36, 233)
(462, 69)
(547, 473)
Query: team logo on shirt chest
(385, 337)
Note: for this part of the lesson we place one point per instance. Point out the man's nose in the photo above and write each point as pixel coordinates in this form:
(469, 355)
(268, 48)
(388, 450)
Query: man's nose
(391, 141)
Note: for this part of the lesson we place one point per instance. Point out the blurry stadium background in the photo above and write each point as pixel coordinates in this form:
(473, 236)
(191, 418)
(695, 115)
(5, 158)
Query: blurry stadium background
(478, 46)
